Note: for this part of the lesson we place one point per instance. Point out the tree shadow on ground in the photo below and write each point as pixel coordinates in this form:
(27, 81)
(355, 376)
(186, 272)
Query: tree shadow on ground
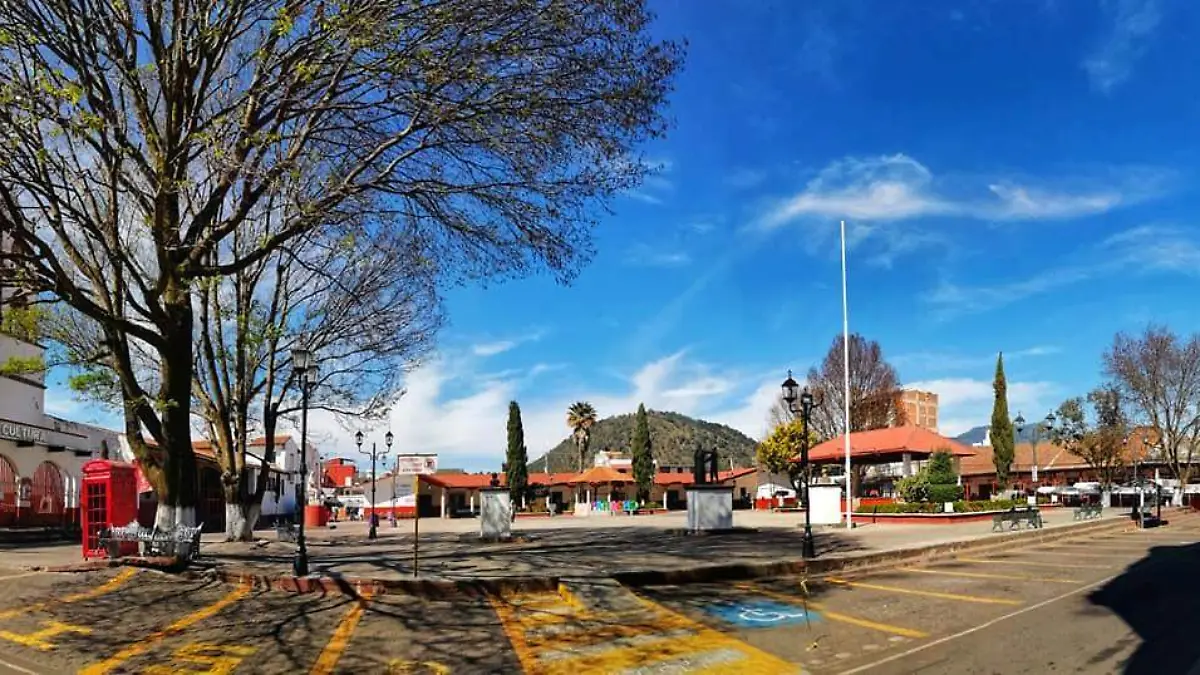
(1157, 597)
(573, 552)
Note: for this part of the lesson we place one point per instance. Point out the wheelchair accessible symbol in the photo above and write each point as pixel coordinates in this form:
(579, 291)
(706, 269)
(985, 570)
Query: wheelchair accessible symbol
(761, 614)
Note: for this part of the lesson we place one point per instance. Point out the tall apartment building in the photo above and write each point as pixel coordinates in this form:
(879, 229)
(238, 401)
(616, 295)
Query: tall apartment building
(920, 408)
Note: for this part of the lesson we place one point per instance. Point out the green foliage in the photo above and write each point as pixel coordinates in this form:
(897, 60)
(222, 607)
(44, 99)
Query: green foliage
(517, 457)
(581, 417)
(915, 488)
(937, 507)
(643, 458)
(1003, 441)
(671, 441)
(941, 468)
(940, 493)
(786, 441)
(23, 323)
(22, 365)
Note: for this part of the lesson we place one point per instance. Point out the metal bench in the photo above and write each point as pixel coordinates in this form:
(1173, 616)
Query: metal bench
(182, 541)
(1032, 517)
(1088, 511)
(286, 531)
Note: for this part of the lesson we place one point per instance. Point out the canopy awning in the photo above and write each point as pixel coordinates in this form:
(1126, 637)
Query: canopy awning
(600, 475)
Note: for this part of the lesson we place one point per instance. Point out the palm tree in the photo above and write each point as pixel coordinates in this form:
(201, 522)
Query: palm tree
(580, 417)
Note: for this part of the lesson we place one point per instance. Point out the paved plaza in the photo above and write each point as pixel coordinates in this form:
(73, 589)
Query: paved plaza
(1103, 600)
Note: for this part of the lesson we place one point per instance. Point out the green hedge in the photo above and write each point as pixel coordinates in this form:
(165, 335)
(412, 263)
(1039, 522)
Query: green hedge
(940, 493)
(929, 507)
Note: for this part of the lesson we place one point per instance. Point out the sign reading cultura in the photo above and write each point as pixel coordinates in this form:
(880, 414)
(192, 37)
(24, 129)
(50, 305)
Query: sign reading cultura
(20, 432)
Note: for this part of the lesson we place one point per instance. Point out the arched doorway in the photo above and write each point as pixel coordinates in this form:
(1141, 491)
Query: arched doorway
(8, 492)
(47, 496)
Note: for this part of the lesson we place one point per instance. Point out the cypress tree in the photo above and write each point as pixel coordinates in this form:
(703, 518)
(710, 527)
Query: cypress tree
(643, 458)
(517, 456)
(1003, 442)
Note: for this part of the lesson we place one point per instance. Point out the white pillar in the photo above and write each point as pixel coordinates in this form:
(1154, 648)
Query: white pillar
(472, 497)
(443, 503)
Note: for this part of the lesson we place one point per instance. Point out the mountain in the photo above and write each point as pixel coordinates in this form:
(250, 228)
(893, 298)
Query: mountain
(979, 434)
(672, 441)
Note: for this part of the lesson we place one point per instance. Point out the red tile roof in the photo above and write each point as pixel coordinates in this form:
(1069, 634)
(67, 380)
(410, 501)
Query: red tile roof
(884, 445)
(688, 478)
(601, 475)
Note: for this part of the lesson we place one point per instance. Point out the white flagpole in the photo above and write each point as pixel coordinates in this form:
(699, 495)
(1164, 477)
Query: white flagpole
(846, 383)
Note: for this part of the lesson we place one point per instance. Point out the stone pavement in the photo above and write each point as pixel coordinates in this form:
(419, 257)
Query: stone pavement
(1089, 601)
(560, 547)
(586, 547)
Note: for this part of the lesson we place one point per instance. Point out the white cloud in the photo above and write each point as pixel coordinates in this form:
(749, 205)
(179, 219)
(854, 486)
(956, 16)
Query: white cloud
(949, 361)
(1131, 25)
(451, 410)
(649, 256)
(1140, 250)
(898, 187)
(500, 346)
(656, 185)
(965, 403)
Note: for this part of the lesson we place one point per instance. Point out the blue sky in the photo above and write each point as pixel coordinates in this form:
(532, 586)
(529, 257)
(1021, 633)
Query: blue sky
(1015, 175)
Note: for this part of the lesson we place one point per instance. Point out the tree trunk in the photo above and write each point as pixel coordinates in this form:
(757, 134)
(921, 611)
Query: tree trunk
(177, 502)
(243, 505)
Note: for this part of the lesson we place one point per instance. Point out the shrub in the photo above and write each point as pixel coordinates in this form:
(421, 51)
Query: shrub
(914, 488)
(942, 493)
(940, 468)
(931, 507)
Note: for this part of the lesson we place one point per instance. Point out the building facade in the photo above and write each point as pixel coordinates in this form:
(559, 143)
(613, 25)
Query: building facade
(41, 456)
(920, 408)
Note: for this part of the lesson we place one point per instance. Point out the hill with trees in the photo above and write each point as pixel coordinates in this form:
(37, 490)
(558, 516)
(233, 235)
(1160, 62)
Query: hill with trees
(672, 440)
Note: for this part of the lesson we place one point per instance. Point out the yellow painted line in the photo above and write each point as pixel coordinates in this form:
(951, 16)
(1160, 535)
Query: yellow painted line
(1074, 554)
(646, 655)
(1031, 563)
(835, 616)
(105, 588)
(984, 575)
(340, 640)
(21, 575)
(515, 633)
(929, 594)
(142, 646)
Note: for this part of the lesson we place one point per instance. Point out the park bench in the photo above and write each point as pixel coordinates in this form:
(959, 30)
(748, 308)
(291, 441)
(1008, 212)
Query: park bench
(1088, 511)
(1014, 517)
(285, 531)
(183, 541)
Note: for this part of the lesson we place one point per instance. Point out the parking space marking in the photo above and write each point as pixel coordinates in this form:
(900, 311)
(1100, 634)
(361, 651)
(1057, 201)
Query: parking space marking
(21, 575)
(929, 594)
(1030, 563)
(145, 644)
(340, 639)
(557, 634)
(836, 616)
(212, 659)
(975, 629)
(403, 667)
(984, 575)
(105, 588)
(40, 639)
(1073, 554)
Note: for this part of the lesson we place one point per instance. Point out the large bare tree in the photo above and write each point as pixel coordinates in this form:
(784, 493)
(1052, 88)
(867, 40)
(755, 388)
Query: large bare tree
(875, 389)
(1158, 374)
(138, 138)
(369, 306)
(1100, 440)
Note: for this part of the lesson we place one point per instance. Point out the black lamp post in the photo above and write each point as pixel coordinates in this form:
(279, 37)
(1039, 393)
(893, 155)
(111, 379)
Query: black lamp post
(374, 453)
(792, 394)
(304, 365)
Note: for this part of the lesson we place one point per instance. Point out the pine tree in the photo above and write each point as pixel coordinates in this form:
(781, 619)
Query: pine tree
(518, 456)
(643, 458)
(1003, 441)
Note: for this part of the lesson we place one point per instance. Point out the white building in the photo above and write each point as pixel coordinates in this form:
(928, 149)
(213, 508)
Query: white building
(41, 456)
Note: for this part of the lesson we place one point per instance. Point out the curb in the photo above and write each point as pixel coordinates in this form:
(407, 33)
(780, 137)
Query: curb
(161, 564)
(358, 587)
(822, 566)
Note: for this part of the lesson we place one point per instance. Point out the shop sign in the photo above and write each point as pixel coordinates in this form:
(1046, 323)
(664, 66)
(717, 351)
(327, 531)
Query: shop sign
(22, 433)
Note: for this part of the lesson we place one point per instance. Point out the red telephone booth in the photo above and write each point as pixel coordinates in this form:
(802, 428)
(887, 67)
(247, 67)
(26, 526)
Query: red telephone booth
(109, 496)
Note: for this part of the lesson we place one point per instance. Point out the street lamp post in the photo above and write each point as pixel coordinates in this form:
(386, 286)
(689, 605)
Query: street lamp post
(792, 394)
(304, 365)
(374, 453)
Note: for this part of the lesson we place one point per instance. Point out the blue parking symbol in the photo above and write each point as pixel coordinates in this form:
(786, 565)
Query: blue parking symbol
(761, 614)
